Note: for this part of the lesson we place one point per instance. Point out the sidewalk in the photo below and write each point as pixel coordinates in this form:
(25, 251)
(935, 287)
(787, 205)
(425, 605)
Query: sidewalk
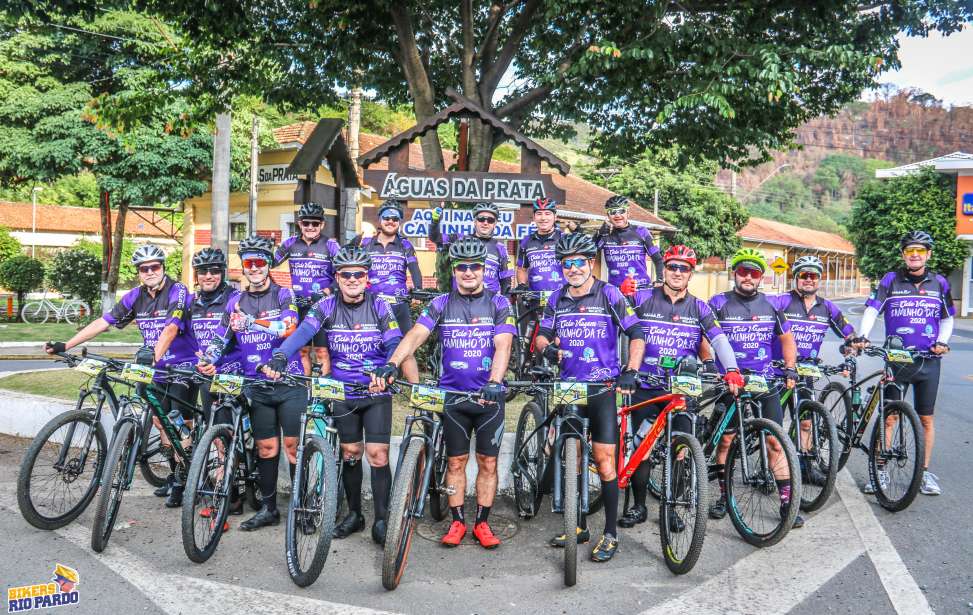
(35, 350)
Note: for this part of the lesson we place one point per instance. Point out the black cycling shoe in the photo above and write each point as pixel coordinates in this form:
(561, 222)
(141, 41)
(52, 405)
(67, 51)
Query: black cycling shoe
(352, 523)
(379, 528)
(163, 491)
(676, 525)
(810, 474)
(175, 496)
(236, 506)
(718, 509)
(263, 518)
(633, 516)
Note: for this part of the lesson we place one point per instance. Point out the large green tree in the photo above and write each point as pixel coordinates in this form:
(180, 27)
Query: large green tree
(886, 210)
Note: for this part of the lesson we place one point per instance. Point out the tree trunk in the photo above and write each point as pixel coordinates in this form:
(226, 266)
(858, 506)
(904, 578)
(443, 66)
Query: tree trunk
(220, 221)
(481, 146)
(104, 206)
(118, 236)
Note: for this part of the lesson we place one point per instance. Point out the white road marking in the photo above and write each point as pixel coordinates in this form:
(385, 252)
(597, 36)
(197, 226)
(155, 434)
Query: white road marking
(901, 588)
(776, 579)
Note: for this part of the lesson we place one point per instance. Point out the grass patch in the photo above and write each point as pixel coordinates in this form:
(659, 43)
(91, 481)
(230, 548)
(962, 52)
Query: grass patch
(62, 332)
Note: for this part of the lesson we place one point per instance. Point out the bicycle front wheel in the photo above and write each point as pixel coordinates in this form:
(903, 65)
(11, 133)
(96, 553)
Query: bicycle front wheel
(402, 523)
(895, 464)
(682, 514)
(35, 313)
(310, 520)
(528, 466)
(837, 402)
(205, 503)
(816, 441)
(572, 507)
(114, 481)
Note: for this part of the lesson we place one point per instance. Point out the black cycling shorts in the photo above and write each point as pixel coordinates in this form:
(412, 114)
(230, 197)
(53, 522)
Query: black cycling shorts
(768, 408)
(923, 378)
(403, 315)
(461, 420)
(602, 415)
(320, 339)
(182, 391)
(216, 415)
(277, 410)
(371, 414)
(680, 421)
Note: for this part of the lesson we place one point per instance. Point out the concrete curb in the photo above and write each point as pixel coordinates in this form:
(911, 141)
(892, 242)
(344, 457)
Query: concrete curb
(4, 345)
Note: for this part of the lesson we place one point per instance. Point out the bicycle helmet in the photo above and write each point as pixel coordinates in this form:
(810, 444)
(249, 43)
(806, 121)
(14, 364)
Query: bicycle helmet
(617, 202)
(350, 256)
(467, 249)
(489, 208)
(680, 252)
(748, 255)
(208, 257)
(808, 262)
(310, 211)
(391, 204)
(921, 238)
(147, 254)
(255, 244)
(575, 243)
(545, 204)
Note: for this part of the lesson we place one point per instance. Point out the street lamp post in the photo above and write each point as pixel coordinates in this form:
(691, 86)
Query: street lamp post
(33, 220)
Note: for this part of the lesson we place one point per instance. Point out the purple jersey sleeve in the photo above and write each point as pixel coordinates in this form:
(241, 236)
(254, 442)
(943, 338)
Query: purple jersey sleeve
(646, 236)
(707, 321)
(409, 250)
(122, 314)
(717, 302)
(881, 293)
(284, 250)
(837, 319)
(622, 311)
(179, 302)
(386, 321)
(781, 324)
(949, 309)
(429, 317)
(504, 321)
(520, 251)
(505, 270)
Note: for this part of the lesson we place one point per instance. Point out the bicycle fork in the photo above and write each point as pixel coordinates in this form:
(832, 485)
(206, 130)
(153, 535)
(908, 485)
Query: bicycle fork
(568, 439)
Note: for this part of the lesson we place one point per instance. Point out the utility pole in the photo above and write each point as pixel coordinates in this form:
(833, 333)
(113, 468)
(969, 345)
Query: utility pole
(220, 223)
(655, 203)
(349, 222)
(254, 171)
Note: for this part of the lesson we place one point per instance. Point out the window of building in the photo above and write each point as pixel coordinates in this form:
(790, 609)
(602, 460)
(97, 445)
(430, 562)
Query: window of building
(238, 231)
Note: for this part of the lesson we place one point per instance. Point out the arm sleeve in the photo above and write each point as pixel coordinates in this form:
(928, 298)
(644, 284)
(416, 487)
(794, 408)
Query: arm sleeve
(658, 264)
(881, 292)
(300, 338)
(436, 234)
(178, 306)
(283, 252)
(503, 318)
(122, 313)
(430, 315)
(839, 324)
(520, 253)
(945, 330)
(724, 352)
(868, 320)
(415, 273)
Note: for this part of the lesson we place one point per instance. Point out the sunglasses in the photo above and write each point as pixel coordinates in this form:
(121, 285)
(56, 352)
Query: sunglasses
(915, 251)
(391, 218)
(150, 268)
(617, 211)
(352, 275)
(578, 263)
(254, 263)
(464, 267)
(487, 220)
(808, 275)
(310, 223)
(209, 270)
(746, 272)
(679, 268)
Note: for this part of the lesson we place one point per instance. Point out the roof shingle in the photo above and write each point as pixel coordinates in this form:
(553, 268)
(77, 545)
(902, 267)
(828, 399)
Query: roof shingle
(65, 219)
(771, 231)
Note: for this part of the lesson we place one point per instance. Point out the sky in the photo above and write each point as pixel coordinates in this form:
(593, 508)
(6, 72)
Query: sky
(939, 65)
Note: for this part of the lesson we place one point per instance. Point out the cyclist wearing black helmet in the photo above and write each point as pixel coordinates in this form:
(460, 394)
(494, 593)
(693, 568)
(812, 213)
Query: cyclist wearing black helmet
(579, 331)
(918, 307)
(537, 266)
(497, 274)
(310, 254)
(627, 249)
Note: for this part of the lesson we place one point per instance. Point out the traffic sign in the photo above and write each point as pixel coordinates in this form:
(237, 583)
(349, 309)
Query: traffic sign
(779, 265)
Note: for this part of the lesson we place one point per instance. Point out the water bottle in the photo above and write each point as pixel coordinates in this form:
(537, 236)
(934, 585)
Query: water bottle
(642, 432)
(247, 433)
(175, 417)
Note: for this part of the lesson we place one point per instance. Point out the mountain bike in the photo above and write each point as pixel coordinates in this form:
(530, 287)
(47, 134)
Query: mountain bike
(527, 306)
(896, 447)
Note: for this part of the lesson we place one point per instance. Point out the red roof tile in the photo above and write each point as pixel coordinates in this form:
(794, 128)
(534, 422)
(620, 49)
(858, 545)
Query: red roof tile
(65, 219)
(771, 231)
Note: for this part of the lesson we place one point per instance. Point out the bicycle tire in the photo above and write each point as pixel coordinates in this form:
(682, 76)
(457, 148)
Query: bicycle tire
(824, 454)
(572, 506)
(527, 491)
(655, 479)
(113, 478)
(515, 368)
(32, 511)
(888, 500)
(836, 399)
(438, 499)
(193, 502)
(325, 510)
(72, 311)
(752, 429)
(35, 313)
(698, 498)
(401, 524)
(151, 457)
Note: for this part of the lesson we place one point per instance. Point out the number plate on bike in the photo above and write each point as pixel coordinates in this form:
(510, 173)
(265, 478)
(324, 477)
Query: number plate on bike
(898, 356)
(757, 384)
(137, 374)
(327, 388)
(545, 295)
(92, 367)
(808, 369)
(574, 393)
(390, 299)
(427, 398)
(687, 385)
(226, 384)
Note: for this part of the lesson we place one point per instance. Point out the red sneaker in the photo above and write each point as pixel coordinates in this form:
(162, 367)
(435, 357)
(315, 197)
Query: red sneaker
(206, 512)
(457, 530)
(484, 535)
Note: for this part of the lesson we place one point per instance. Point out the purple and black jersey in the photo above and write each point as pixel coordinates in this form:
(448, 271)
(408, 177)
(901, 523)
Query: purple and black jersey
(751, 324)
(588, 328)
(257, 347)
(205, 315)
(536, 254)
(386, 276)
(310, 264)
(152, 314)
(497, 267)
(672, 329)
(913, 310)
(360, 336)
(627, 252)
(809, 326)
(467, 325)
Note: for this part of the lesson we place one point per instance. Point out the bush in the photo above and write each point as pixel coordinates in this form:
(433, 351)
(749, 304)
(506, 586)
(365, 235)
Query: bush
(9, 246)
(76, 272)
(21, 274)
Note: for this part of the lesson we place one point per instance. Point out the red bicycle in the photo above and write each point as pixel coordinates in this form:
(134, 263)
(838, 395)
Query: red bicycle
(684, 499)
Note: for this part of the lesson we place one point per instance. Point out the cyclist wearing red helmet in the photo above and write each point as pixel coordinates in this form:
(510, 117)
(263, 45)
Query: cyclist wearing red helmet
(537, 266)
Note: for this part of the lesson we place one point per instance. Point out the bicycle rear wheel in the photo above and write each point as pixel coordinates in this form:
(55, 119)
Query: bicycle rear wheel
(402, 523)
(819, 457)
(515, 367)
(114, 481)
(205, 503)
(59, 472)
(572, 507)
(686, 505)
(35, 313)
(528, 466)
(900, 456)
(311, 517)
(655, 478)
(837, 402)
(153, 460)
(755, 505)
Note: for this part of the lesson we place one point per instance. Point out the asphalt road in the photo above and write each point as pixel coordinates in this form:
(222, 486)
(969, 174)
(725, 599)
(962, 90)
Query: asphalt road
(851, 557)
(16, 365)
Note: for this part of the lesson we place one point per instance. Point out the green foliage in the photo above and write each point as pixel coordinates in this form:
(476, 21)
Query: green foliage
(707, 217)
(885, 210)
(174, 264)
(9, 246)
(80, 190)
(21, 274)
(126, 271)
(76, 272)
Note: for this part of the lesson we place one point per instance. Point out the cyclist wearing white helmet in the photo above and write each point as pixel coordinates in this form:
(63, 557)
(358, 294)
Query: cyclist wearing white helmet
(497, 273)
